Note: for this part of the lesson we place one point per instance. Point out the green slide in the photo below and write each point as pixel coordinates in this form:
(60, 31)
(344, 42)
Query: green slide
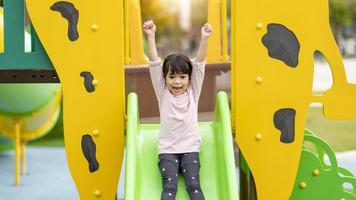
(218, 172)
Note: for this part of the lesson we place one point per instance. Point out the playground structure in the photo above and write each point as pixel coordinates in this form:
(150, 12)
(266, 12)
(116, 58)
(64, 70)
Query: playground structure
(84, 42)
(27, 111)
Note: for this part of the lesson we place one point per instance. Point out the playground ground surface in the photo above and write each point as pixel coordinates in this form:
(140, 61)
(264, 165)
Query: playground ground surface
(48, 176)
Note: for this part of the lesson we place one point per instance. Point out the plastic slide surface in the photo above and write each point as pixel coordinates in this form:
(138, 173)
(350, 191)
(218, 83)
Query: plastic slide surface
(218, 173)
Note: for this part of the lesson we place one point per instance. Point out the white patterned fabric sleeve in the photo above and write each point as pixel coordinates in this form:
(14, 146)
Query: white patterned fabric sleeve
(157, 79)
(197, 78)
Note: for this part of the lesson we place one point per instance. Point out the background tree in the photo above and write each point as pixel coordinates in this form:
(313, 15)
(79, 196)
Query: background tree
(339, 16)
(166, 19)
(170, 36)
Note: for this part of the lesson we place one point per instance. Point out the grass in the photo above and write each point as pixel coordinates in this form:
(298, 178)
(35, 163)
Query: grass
(340, 135)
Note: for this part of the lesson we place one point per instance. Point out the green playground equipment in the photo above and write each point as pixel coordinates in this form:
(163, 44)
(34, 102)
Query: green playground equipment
(218, 172)
(319, 176)
(14, 55)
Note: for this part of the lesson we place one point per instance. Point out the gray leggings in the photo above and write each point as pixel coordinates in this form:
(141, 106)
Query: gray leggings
(186, 163)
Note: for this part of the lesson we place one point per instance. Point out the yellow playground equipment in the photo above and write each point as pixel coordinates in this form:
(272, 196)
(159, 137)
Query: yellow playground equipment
(273, 44)
(272, 69)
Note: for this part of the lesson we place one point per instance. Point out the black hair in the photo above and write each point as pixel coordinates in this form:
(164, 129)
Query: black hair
(176, 64)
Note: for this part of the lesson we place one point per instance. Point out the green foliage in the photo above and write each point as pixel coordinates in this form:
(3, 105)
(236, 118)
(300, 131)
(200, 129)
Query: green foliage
(351, 5)
(340, 14)
(158, 12)
(170, 36)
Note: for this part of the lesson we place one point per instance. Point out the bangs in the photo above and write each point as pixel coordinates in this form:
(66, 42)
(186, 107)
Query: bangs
(177, 67)
(177, 64)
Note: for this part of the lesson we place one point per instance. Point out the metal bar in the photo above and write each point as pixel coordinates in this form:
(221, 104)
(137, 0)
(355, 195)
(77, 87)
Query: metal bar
(17, 151)
(23, 157)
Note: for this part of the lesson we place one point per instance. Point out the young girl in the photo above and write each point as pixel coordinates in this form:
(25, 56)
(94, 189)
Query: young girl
(177, 84)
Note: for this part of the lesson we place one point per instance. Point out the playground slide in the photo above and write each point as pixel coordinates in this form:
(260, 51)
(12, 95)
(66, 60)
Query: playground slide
(218, 172)
(319, 171)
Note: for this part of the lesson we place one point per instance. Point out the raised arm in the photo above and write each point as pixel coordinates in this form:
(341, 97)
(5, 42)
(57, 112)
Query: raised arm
(150, 29)
(155, 66)
(206, 31)
(198, 71)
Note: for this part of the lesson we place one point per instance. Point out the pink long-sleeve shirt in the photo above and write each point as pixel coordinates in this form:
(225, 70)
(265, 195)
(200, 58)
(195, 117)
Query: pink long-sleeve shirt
(179, 132)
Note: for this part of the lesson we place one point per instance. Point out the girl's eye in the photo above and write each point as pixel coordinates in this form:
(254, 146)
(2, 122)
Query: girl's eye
(171, 77)
(183, 77)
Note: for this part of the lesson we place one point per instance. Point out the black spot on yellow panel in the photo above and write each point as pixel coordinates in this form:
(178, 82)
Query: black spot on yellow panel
(282, 44)
(284, 120)
(69, 12)
(88, 81)
(89, 151)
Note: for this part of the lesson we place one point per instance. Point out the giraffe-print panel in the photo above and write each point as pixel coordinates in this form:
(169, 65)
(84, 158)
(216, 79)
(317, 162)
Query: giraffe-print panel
(88, 46)
(71, 14)
(273, 46)
(282, 44)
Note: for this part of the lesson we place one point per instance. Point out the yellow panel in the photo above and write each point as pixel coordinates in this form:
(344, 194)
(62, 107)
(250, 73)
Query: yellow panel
(100, 114)
(339, 101)
(224, 39)
(214, 18)
(137, 55)
(262, 85)
(127, 59)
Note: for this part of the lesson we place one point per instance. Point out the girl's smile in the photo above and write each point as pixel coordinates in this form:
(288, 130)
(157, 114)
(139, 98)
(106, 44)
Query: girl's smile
(177, 83)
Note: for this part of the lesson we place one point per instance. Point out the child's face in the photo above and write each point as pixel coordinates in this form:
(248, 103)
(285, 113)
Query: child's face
(177, 83)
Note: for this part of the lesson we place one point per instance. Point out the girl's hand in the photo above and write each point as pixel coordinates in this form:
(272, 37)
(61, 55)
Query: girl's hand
(149, 27)
(206, 31)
